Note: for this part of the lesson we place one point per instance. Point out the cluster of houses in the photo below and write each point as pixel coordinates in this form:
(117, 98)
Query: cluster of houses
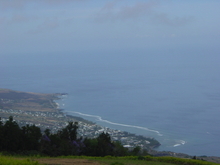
(57, 120)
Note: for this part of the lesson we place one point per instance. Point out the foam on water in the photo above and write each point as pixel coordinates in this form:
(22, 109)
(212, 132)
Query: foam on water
(173, 143)
(180, 142)
(99, 118)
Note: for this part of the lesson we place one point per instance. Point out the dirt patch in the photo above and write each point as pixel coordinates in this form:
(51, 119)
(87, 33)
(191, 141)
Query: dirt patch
(66, 161)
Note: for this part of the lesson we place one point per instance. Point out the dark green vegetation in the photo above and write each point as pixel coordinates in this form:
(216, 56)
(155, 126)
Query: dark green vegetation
(16, 139)
(29, 140)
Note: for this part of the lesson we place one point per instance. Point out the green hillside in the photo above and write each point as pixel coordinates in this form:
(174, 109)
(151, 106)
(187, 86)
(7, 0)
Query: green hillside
(108, 160)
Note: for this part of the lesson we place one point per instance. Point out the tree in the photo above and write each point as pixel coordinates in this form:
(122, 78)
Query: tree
(62, 143)
(11, 136)
(1, 123)
(136, 151)
(119, 149)
(47, 132)
(1, 133)
(31, 137)
(91, 147)
(105, 146)
(69, 132)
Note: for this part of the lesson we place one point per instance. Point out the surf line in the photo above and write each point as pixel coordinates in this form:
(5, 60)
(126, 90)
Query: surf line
(181, 142)
(124, 125)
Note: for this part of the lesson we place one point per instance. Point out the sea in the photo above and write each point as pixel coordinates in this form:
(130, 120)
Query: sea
(173, 97)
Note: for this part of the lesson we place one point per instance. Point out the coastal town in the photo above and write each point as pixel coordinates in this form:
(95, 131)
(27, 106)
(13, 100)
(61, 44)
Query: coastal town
(42, 111)
(58, 120)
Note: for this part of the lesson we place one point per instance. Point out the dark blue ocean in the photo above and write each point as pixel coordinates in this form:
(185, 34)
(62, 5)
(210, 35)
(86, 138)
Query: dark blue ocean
(170, 96)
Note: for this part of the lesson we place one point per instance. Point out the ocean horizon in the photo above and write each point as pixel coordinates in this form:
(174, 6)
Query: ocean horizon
(175, 102)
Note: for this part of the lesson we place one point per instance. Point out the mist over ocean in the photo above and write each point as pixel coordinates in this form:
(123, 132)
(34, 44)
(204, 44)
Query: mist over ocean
(170, 96)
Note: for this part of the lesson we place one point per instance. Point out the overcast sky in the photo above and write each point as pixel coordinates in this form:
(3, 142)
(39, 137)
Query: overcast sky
(42, 26)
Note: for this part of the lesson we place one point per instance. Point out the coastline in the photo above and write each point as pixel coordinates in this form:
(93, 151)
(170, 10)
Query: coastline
(153, 151)
(99, 118)
(150, 133)
(57, 118)
(125, 127)
(43, 111)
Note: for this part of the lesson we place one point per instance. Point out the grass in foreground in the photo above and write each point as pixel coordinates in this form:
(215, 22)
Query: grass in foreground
(131, 162)
(9, 160)
(143, 160)
(108, 160)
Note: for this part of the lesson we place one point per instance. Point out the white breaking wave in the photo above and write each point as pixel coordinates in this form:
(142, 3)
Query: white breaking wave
(124, 125)
(181, 142)
(176, 145)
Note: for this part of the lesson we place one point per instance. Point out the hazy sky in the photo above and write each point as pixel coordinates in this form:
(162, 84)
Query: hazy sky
(42, 26)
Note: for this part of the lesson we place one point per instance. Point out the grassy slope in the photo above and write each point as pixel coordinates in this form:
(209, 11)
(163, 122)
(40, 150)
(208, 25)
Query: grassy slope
(135, 160)
(83, 160)
(9, 160)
